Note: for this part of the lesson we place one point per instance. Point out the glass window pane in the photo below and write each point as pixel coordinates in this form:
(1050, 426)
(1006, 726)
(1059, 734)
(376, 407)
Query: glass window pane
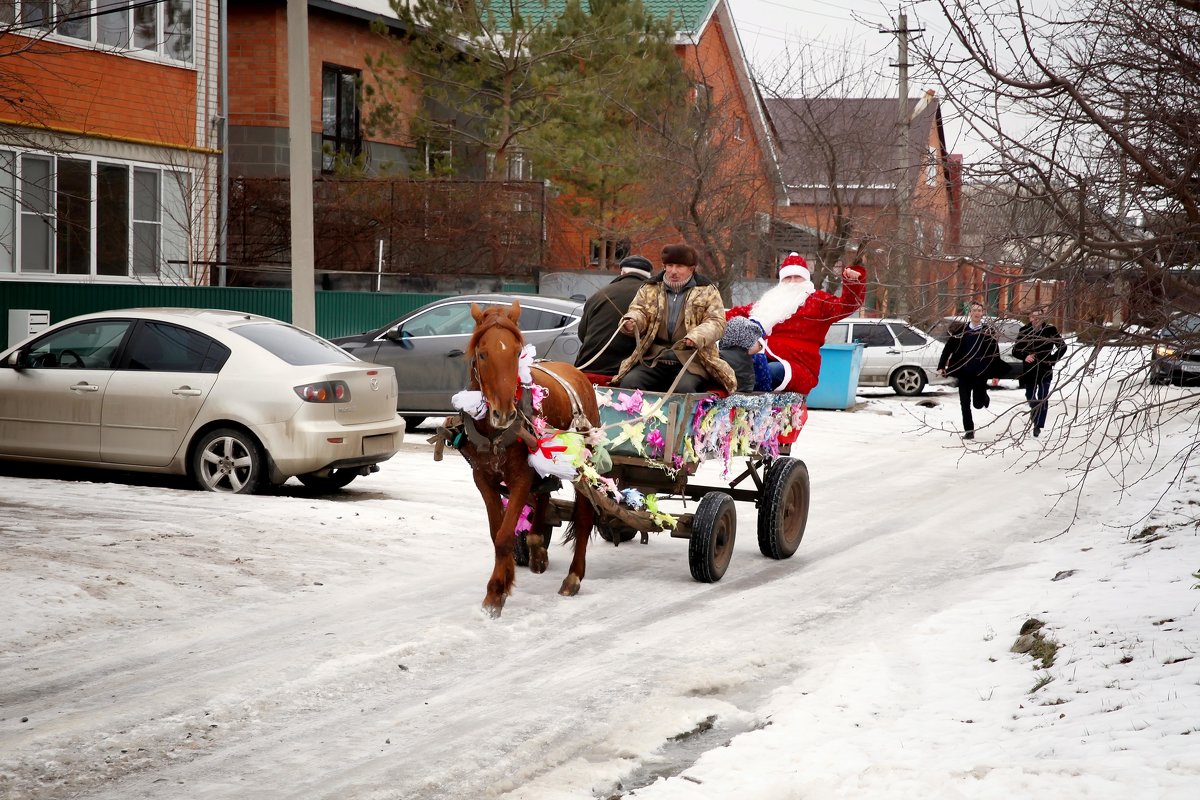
(452, 319)
(95, 344)
(145, 26)
(8, 12)
(36, 225)
(906, 335)
(146, 205)
(112, 219)
(145, 248)
(35, 185)
(8, 209)
(74, 19)
(74, 227)
(177, 226)
(293, 345)
(36, 13)
(158, 347)
(348, 112)
(177, 29)
(836, 334)
(329, 106)
(112, 26)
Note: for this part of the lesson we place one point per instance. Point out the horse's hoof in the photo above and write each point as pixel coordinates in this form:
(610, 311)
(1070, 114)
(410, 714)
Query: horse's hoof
(493, 609)
(538, 562)
(570, 586)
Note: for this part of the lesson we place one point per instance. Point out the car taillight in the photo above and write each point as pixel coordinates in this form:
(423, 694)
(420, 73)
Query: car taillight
(324, 392)
(1163, 351)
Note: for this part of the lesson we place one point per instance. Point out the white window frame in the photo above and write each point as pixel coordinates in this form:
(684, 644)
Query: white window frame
(60, 10)
(171, 237)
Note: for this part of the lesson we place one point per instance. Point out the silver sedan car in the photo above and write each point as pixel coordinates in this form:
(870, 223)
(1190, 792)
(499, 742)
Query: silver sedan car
(237, 401)
(427, 347)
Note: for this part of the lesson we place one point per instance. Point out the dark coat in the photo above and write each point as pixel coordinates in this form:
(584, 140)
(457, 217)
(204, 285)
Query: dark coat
(1046, 346)
(601, 316)
(971, 353)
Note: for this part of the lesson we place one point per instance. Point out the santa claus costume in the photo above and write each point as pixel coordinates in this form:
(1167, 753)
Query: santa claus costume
(796, 316)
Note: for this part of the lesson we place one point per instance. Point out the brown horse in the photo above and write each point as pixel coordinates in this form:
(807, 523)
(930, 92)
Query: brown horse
(493, 354)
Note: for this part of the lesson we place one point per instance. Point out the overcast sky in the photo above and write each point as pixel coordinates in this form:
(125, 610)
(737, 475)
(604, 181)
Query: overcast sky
(862, 30)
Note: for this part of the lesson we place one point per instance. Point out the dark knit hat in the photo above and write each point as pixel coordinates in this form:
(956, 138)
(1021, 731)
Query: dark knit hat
(636, 265)
(680, 254)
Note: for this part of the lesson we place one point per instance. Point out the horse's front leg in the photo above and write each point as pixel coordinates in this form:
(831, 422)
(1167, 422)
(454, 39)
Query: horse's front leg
(504, 573)
(582, 520)
(491, 503)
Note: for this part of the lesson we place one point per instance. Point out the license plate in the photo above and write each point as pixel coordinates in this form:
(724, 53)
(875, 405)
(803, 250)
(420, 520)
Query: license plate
(375, 445)
(1190, 366)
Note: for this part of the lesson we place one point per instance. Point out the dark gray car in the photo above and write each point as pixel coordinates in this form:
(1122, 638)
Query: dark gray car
(427, 347)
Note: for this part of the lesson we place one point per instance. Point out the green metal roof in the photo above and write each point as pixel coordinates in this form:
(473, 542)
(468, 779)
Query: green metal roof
(686, 15)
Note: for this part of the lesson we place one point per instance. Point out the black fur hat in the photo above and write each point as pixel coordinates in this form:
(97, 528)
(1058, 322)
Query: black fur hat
(683, 254)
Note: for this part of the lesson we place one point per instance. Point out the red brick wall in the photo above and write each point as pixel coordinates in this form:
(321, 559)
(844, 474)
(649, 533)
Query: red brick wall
(258, 91)
(102, 94)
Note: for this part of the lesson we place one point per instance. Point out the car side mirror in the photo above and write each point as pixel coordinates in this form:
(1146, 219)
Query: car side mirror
(14, 360)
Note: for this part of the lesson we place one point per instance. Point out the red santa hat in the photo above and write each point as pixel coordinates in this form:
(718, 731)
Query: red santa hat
(794, 264)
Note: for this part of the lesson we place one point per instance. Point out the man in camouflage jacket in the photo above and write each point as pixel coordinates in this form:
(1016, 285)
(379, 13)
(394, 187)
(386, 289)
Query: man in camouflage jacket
(675, 314)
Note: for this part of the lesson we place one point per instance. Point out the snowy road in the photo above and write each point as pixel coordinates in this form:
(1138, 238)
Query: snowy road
(165, 643)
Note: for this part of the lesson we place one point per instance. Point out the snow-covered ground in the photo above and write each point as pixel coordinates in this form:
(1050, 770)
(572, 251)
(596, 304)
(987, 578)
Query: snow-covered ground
(164, 643)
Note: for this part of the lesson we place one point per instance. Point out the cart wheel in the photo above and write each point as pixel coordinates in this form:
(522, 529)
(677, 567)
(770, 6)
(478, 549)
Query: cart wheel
(714, 527)
(783, 508)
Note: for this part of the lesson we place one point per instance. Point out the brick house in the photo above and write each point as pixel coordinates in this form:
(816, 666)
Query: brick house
(840, 160)
(108, 141)
(708, 43)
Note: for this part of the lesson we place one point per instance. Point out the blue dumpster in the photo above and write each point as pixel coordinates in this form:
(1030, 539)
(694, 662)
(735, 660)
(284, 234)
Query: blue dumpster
(838, 381)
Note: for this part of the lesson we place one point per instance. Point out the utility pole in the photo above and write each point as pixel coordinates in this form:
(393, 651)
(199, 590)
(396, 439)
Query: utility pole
(304, 312)
(903, 273)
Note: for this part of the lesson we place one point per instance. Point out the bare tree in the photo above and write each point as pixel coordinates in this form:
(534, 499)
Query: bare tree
(1092, 114)
(713, 182)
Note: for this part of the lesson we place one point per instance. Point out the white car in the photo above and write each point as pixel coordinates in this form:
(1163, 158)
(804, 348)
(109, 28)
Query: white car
(895, 353)
(237, 401)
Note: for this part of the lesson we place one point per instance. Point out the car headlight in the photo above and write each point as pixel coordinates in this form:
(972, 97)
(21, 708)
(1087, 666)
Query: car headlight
(324, 392)
(1163, 351)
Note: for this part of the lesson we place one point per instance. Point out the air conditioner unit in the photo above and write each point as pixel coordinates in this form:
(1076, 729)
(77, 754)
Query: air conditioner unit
(25, 322)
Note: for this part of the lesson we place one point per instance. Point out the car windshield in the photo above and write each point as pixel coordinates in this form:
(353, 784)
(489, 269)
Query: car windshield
(293, 345)
(1184, 324)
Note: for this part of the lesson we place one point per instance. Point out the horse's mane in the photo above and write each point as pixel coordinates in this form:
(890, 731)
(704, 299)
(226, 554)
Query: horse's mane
(494, 317)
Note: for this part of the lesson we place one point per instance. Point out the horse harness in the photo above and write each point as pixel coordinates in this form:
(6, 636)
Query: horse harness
(466, 430)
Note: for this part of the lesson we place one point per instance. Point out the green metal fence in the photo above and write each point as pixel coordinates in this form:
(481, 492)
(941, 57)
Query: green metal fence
(338, 313)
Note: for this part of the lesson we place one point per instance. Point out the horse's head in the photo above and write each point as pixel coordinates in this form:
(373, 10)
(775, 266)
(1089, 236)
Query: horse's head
(494, 350)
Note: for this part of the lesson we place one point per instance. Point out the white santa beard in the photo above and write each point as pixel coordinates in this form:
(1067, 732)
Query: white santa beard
(780, 303)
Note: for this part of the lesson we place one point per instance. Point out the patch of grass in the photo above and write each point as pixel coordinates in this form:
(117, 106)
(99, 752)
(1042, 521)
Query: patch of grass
(1044, 649)
(1041, 681)
(1149, 530)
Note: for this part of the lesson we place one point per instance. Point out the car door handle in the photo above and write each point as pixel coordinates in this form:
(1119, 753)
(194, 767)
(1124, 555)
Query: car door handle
(85, 387)
(186, 391)
(455, 353)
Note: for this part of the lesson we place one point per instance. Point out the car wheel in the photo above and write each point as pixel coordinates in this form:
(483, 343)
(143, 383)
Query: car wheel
(331, 482)
(412, 423)
(908, 381)
(228, 460)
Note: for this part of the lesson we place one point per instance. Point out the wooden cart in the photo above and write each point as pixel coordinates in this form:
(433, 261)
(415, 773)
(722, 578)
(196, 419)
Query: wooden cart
(776, 483)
